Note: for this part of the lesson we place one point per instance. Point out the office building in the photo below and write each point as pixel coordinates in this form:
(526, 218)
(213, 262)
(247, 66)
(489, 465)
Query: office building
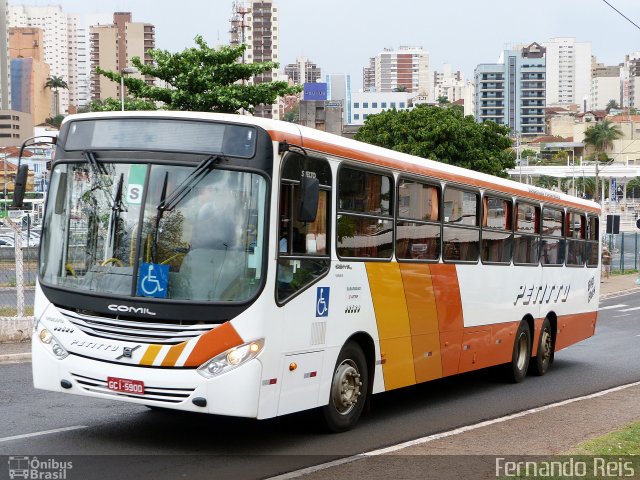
(339, 90)
(371, 103)
(512, 91)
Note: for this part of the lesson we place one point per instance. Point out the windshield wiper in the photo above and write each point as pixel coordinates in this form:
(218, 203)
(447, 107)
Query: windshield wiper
(202, 170)
(116, 208)
(168, 203)
(99, 170)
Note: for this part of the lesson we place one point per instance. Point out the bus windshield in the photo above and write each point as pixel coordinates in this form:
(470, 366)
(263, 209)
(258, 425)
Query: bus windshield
(109, 229)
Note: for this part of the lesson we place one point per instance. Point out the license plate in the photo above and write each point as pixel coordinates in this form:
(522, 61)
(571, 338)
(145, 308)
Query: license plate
(125, 385)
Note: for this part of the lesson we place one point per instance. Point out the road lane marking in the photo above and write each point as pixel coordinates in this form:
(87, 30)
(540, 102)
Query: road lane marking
(624, 315)
(45, 432)
(613, 306)
(630, 309)
(451, 433)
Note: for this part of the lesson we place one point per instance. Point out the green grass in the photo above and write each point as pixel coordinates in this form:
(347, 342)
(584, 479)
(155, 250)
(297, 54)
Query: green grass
(625, 441)
(627, 271)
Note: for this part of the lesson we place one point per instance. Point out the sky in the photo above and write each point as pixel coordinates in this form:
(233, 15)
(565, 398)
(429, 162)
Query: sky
(341, 35)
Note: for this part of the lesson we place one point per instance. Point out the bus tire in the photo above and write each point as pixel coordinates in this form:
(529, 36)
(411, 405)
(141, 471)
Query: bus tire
(349, 389)
(544, 355)
(517, 369)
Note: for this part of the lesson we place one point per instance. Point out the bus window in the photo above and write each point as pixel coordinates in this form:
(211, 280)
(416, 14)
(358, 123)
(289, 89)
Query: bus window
(593, 232)
(497, 236)
(552, 236)
(526, 239)
(365, 221)
(303, 250)
(418, 227)
(460, 235)
(576, 228)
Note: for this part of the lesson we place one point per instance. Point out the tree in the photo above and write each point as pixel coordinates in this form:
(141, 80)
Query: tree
(55, 83)
(113, 105)
(55, 121)
(442, 134)
(612, 105)
(204, 79)
(600, 136)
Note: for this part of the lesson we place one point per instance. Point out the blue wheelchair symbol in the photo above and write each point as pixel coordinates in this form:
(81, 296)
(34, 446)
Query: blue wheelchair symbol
(153, 280)
(322, 302)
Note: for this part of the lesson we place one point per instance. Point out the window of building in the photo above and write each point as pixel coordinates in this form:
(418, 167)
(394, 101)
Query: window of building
(461, 232)
(356, 116)
(383, 105)
(374, 105)
(418, 225)
(393, 104)
(365, 218)
(402, 105)
(356, 105)
(365, 104)
(497, 235)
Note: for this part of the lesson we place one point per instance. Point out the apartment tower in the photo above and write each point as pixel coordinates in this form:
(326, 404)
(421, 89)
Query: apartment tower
(113, 46)
(255, 23)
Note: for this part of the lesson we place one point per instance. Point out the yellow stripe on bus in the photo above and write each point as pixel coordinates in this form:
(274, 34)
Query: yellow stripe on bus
(394, 329)
(150, 355)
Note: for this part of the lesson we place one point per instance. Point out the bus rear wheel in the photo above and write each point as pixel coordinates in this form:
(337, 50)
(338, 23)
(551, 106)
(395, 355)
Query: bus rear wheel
(544, 356)
(517, 369)
(349, 389)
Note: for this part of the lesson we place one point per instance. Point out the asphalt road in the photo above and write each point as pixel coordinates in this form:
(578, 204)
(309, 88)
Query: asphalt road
(177, 445)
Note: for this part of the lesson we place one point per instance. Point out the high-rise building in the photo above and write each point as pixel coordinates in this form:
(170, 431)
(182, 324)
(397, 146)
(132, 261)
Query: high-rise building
(29, 73)
(339, 90)
(406, 69)
(5, 84)
(369, 76)
(112, 48)
(303, 71)
(630, 77)
(605, 86)
(57, 52)
(255, 23)
(512, 91)
(568, 71)
(448, 84)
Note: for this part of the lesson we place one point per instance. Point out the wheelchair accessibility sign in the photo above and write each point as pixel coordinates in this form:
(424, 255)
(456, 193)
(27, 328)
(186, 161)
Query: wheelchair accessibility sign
(153, 280)
(322, 302)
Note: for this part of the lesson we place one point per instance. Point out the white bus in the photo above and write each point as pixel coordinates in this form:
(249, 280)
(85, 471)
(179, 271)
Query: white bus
(249, 267)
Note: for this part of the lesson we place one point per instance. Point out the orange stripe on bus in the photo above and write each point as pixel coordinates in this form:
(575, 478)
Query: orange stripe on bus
(173, 354)
(394, 330)
(447, 293)
(212, 343)
(150, 355)
(575, 328)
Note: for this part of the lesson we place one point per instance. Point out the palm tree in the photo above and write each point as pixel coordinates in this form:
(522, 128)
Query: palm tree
(54, 83)
(600, 136)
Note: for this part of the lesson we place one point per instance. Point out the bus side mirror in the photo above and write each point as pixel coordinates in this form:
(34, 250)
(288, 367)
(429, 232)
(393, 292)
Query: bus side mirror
(310, 193)
(20, 186)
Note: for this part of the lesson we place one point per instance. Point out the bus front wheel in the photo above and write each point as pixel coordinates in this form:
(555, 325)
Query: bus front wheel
(521, 356)
(349, 389)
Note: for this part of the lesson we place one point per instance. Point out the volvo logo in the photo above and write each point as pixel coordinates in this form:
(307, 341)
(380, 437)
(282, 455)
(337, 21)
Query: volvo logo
(127, 309)
(127, 352)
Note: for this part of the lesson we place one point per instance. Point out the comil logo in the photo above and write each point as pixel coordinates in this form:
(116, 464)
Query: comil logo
(37, 468)
(128, 309)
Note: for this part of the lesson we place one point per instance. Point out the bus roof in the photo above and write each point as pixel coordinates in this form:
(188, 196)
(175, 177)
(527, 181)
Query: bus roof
(376, 156)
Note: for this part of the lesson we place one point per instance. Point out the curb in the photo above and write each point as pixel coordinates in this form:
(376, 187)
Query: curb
(15, 358)
(619, 293)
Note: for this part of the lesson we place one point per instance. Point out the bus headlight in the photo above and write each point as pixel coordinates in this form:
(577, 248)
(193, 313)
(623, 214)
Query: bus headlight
(232, 358)
(52, 342)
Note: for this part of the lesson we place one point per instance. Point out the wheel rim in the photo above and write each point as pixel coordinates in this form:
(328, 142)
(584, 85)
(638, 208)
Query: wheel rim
(523, 346)
(545, 345)
(345, 389)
